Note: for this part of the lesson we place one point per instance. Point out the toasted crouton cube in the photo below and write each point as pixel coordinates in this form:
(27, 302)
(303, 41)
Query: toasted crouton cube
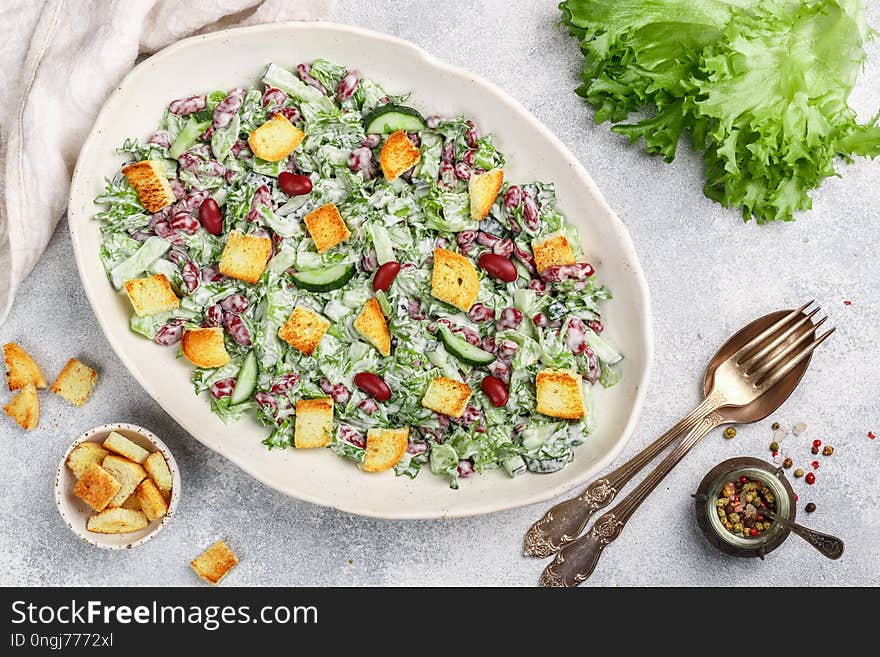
(24, 408)
(157, 468)
(214, 564)
(117, 521)
(371, 325)
(482, 190)
(398, 154)
(551, 251)
(245, 256)
(84, 455)
(149, 182)
(447, 396)
(454, 279)
(75, 382)
(97, 487)
(314, 423)
(204, 347)
(21, 370)
(304, 329)
(151, 295)
(326, 227)
(385, 447)
(128, 473)
(124, 447)
(559, 394)
(152, 503)
(132, 502)
(275, 139)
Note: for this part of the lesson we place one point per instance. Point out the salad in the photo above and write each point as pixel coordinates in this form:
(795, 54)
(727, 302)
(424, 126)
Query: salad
(360, 277)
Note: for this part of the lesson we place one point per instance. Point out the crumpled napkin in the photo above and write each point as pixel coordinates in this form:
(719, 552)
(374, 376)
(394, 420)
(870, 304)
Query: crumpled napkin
(61, 59)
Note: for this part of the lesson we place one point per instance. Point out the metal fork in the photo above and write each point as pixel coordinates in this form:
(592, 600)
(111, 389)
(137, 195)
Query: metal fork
(739, 380)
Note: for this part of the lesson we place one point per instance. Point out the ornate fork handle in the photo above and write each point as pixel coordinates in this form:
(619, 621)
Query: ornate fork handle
(575, 562)
(564, 522)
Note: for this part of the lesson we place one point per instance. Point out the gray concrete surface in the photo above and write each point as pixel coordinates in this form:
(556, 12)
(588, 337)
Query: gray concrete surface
(708, 272)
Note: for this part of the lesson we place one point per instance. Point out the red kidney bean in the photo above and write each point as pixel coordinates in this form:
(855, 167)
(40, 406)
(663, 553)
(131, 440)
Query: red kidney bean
(189, 161)
(497, 266)
(235, 303)
(513, 198)
(177, 187)
(442, 321)
(170, 333)
(433, 122)
(236, 327)
(373, 385)
(446, 174)
(211, 274)
(539, 286)
(352, 436)
(465, 468)
(487, 239)
(371, 140)
(304, 71)
(369, 261)
(593, 369)
(524, 257)
(503, 247)
(447, 154)
(441, 243)
(472, 135)
(161, 138)
(190, 276)
(292, 114)
(510, 318)
(595, 325)
(576, 336)
(293, 184)
(470, 335)
(284, 383)
(241, 150)
(507, 349)
(227, 108)
(557, 273)
(462, 170)
(466, 237)
(540, 319)
(273, 100)
(189, 105)
(531, 213)
(142, 235)
(495, 390)
(206, 135)
(500, 370)
(211, 217)
(213, 316)
(212, 169)
(368, 406)
(348, 85)
(267, 403)
(385, 276)
(468, 157)
(177, 256)
(480, 312)
(338, 392)
(185, 223)
(416, 448)
(471, 415)
(165, 231)
(361, 161)
(223, 387)
(262, 197)
(414, 138)
(414, 308)
(191, 201)
(488, 344)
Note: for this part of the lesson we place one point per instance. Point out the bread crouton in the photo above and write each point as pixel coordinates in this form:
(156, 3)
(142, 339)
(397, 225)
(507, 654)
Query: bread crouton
(84, 455)
(398, 154)
(149, 182)
(151, 295)
(304, 329)
(482, 190)
(559, 394)
(275, 139)
(373, 328)
(97, 487)
(24, 408)
(214, 564)
(75, 382)
(124, 447)
(454, 279)
(152, 503)
(551, 251)
(204, 347)
(21, 370)
(385, 447)
(244, 257)
(314, 423)
(128, 473)
(117, 521)
(157, 468)
(447, 396)
(132, 502)
(326, 227)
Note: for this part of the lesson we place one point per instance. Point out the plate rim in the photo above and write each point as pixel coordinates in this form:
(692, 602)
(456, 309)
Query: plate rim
(497, 503)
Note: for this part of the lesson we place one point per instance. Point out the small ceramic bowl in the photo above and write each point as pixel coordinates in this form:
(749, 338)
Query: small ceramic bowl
(75, 512)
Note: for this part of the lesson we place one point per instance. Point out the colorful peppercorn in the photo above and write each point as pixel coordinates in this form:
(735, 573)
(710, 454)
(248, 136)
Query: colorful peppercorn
(815, 465)
(817, 443)
(730, 432)
(810, 478)
(787, 463)
(798, 473)
(740, 504)
(815, 450)
(774, 446)
(810, 507)
(774, 426)
(828, 450)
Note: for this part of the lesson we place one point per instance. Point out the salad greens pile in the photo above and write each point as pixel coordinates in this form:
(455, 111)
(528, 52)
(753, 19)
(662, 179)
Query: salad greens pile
(524, 326)
(760, 86)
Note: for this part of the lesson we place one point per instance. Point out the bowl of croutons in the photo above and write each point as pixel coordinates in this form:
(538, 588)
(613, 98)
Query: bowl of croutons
(117, 486)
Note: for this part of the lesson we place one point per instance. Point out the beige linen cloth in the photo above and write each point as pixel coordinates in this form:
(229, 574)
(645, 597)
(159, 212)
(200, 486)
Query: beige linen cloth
(59, 60)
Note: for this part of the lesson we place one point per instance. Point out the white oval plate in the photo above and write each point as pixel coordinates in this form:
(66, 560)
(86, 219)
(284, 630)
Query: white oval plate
(223, 60)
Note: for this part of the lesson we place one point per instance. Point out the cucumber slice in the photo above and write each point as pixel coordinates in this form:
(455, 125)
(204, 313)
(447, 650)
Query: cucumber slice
(464, 350)
(602, 348)
(188, 136)
(326, 279)
(391, 118)
(247, 380)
